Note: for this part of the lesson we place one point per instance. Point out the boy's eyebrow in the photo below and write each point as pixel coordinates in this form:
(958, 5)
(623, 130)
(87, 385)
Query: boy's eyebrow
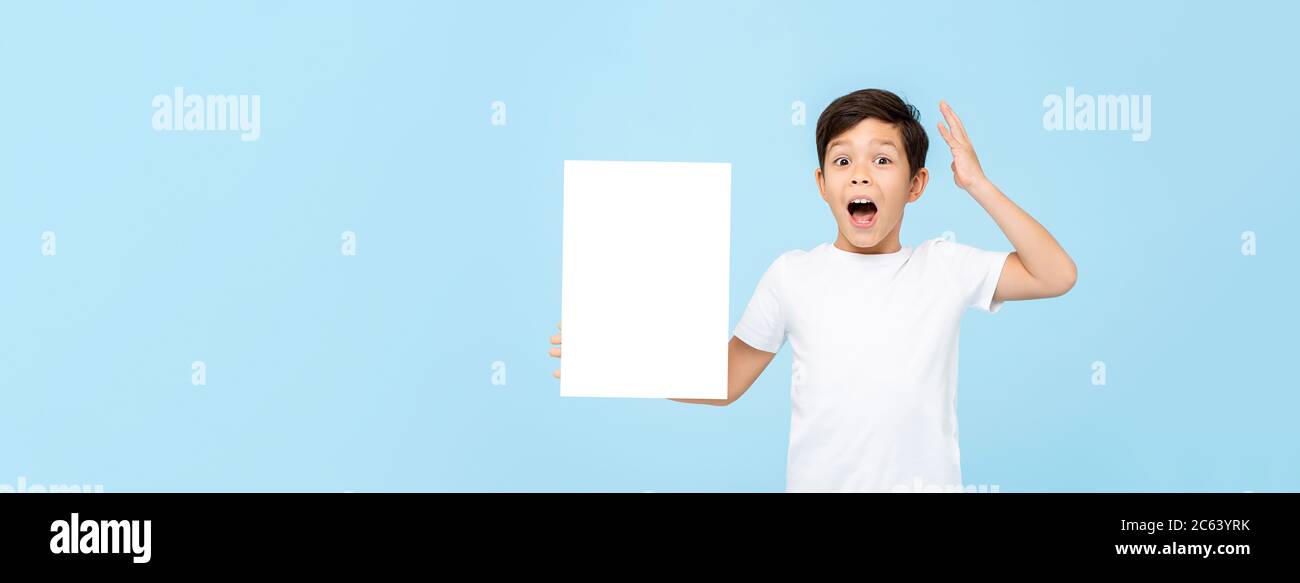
(841, 142)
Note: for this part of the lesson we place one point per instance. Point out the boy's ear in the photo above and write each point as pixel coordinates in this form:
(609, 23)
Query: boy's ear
(821, 182)
(917, 187)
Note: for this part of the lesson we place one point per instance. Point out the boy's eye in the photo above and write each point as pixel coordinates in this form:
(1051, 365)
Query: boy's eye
(840, 159)
(879, 158)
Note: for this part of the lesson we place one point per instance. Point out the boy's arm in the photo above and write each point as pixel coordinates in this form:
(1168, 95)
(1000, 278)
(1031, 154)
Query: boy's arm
(744, 364)
(1039, 267)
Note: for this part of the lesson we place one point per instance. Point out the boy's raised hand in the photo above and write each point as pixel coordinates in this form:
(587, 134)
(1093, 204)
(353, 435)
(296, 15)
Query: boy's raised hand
(556, 351)
(966, 170)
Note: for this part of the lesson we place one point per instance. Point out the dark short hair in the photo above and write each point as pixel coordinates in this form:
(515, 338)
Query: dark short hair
(845, 112)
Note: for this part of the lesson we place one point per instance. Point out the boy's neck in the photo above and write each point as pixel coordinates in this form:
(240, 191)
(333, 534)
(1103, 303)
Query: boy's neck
(889, 245)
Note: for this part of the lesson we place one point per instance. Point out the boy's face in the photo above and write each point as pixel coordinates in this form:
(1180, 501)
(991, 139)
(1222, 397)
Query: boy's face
(866, 182)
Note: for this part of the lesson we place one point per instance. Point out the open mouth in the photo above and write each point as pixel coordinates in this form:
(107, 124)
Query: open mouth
(862, 212)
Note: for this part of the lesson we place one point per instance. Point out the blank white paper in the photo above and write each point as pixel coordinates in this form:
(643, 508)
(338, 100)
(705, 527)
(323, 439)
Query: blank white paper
(647, 258)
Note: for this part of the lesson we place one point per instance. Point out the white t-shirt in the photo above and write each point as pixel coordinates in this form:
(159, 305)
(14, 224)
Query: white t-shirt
(874, 383)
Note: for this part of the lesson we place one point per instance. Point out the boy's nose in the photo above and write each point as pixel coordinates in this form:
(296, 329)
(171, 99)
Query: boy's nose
(861, 180)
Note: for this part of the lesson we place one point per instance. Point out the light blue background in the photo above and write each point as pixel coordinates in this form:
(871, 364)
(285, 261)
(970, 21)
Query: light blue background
(373, 372)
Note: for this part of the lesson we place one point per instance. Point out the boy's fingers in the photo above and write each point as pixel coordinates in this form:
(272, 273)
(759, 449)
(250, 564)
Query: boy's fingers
(954, 121)
(556, 351)
(947, 115)
(944, 132)
(954, 124)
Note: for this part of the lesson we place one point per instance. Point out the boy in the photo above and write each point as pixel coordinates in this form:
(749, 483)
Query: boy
(874, 324)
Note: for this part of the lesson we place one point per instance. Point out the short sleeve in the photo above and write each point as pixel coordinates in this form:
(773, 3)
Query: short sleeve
(977, 272)
(763, 323)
